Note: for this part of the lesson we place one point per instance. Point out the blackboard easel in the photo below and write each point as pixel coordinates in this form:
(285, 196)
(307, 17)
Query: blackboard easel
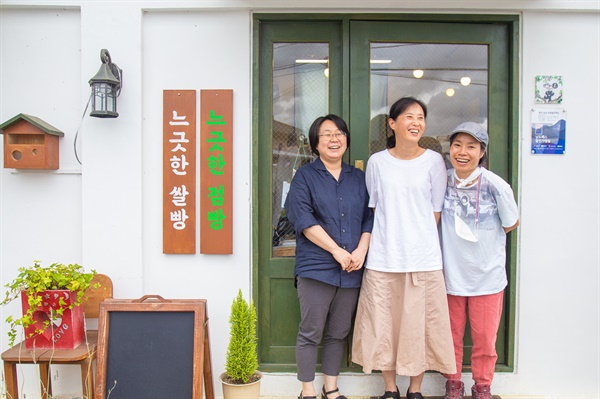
(153, 348)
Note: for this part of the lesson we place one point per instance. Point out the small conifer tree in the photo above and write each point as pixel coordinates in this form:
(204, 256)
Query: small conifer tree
(242, 357)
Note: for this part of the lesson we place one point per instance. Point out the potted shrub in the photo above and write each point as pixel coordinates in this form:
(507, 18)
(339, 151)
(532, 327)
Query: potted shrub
(241, 378)
(51, 299)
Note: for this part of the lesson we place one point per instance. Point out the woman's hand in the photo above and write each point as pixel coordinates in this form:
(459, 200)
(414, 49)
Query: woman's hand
(360, 253)
(358, 259)
(343, 257)
(317, 235)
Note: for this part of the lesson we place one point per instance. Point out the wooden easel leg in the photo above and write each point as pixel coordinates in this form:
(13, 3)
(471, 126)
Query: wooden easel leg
(209, 389)
(45, 383)
(10, 375)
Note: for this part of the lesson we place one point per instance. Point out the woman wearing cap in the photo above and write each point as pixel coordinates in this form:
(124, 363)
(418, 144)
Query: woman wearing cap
(402, 325)
(327, 205)
(474, 251)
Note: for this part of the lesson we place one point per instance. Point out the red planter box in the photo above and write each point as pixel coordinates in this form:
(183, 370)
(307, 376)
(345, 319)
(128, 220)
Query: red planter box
(65, 333)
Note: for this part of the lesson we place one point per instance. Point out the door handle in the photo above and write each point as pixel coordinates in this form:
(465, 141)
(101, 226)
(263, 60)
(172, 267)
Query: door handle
(359, 164)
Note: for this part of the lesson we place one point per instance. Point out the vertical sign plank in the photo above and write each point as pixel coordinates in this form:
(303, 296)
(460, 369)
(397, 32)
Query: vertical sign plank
(216, 171)
(179, 171)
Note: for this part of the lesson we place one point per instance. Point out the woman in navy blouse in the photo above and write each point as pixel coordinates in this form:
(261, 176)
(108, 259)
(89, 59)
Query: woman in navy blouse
(328, 207)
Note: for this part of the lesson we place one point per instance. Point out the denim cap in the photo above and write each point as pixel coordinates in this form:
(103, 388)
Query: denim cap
(473, 129)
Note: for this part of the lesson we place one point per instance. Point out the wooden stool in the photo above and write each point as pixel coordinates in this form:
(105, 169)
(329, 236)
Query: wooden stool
(83, 355)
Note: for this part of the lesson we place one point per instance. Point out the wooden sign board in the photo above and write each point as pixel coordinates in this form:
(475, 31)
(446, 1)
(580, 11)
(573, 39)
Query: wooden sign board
(216, 171)
(179, 171)
(153, 348)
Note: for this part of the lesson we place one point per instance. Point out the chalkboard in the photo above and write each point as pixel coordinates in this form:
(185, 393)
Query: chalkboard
(152, 348)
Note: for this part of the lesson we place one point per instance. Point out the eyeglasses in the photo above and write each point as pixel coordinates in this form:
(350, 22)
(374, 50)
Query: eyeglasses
(328, 134)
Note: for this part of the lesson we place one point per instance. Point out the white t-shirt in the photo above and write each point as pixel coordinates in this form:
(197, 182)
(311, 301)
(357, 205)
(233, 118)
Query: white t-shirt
(405, 194)
(477, 268)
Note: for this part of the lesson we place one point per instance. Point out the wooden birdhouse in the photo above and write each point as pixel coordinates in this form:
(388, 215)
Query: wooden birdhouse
(30, 143)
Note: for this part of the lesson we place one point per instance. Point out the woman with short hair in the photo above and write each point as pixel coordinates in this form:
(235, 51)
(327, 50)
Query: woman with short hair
(328, 207)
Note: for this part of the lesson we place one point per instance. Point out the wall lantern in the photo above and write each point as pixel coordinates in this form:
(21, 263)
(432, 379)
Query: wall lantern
(106, 87)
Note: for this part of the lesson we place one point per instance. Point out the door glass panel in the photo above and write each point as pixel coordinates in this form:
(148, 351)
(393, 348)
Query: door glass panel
(452, 79)
(300, 94)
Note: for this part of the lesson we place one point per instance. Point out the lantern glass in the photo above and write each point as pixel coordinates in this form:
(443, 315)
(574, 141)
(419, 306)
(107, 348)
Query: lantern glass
(104, 101)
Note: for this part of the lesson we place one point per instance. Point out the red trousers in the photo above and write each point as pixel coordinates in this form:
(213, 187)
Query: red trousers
(483, 313)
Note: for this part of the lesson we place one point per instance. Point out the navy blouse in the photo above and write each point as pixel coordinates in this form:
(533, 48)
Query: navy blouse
(340, 207)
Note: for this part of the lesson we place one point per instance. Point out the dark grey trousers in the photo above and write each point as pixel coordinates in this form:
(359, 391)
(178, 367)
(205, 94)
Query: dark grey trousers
(327, 308)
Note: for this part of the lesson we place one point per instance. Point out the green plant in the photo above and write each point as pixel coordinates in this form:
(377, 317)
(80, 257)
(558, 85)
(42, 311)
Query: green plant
(36, 279)
(242, 357)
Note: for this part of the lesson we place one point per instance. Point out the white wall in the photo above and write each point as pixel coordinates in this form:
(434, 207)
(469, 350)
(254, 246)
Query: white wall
(40, 212)
(197, 50)
(109, 216)
(558, 299)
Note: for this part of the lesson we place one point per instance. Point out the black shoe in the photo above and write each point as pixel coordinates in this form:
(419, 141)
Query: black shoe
(306, 397)
(390, 394)
(324, 394)
(414, 395)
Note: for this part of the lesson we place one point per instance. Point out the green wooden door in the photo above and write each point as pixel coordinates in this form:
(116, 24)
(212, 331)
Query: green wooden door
(294, 87)
(356, 68)
(460, 71)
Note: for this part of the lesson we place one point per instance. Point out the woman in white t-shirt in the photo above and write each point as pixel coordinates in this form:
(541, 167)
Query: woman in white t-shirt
(474, 251)
(402, 325)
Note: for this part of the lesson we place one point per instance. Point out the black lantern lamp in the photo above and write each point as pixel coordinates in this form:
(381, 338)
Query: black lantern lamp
(106, 87)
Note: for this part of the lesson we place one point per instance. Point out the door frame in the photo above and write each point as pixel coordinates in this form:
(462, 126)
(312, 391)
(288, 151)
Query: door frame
(512, 23)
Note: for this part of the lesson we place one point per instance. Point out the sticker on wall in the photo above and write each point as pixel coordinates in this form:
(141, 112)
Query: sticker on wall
(548, 131)
(548, 89)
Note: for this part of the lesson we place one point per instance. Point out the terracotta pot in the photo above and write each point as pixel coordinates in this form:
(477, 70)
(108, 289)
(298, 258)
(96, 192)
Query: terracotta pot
(66, 332)
(241, 391)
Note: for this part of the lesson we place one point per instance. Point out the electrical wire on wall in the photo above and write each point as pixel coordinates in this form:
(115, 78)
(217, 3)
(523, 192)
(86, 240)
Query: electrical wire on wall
(79, 127)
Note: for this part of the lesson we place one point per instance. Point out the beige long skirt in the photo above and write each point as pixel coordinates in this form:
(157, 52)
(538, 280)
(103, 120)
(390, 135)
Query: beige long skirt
(402, 324)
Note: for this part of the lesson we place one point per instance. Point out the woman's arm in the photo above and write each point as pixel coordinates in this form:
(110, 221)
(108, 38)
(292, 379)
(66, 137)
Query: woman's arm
(511, 228)
(318, 236)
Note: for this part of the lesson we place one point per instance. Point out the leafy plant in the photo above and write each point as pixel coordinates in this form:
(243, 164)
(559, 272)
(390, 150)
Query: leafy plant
(242, 357)
(36, 279)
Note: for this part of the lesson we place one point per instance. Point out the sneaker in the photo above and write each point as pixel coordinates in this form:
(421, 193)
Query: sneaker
(390, 394)
(481, 391)
(414, 395)
(455, 389)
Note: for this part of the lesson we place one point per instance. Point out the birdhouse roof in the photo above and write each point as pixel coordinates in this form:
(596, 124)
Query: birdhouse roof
(34, 120)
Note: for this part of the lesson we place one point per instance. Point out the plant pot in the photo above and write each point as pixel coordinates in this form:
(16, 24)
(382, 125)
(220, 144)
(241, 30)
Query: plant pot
(241, 391)
(64, 332)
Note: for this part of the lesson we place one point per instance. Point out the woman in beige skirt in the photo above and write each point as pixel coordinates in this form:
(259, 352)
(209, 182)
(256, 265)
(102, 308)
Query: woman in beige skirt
(402, 324)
